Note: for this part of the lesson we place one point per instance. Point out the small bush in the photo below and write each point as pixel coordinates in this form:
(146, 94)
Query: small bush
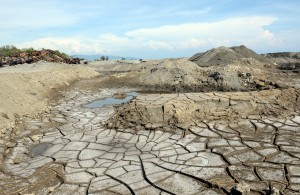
(8, 50)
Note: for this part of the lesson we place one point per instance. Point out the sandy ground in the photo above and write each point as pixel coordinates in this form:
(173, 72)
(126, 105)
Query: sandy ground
(27, 89)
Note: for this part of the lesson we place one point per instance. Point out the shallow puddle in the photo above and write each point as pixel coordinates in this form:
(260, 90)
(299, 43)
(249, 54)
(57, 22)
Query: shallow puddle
(106, 101)
(39, 149)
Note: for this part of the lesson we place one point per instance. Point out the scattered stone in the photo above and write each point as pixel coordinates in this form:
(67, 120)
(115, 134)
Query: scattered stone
(274, 191)
(11, 144)
(51, 189)
(18, 132)
(17, 160)
(241, 188)
(35, 138)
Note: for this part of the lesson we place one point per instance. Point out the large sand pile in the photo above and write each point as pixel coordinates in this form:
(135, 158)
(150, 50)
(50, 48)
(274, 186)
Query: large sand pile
(222, 56)
(27, 89)
(174, 72)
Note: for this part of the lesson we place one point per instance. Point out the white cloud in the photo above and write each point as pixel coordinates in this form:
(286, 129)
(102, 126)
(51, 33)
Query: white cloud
(112, 40)
(74, 45)
(250, 31)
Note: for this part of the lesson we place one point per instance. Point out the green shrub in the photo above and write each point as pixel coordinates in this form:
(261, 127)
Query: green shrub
(28, 50)
(56, 52)
(8, 50)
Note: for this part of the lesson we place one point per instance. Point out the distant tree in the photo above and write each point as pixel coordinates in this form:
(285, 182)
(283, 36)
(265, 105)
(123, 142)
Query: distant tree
(106, 58)
(102, 58)
(28, 50)
(61, 54)
(123, 59)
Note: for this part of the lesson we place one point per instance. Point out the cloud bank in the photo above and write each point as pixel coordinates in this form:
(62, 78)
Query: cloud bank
(249, 31)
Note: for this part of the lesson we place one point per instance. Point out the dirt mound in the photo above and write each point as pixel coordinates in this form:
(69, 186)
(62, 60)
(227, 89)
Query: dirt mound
(35, 56)
(177, 72)
(181, 110)
(182, 75)
(248, 53)
(222, 56)
(217, 57)
(26, 89)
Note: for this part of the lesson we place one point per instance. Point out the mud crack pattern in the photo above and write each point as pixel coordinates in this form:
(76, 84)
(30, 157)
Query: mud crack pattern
(84, 157)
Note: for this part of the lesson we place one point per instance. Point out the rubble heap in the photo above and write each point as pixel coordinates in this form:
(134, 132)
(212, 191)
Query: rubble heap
(35, 56)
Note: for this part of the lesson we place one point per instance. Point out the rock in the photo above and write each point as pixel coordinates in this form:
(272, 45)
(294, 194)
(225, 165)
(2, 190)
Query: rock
(148, 126)
(18, 132)
(110, 125)
(260, 84)
(17, 160)
(11, 144)
(241, 189)
(35, 138)
(216, 76)
(274, 191)
(51, 189)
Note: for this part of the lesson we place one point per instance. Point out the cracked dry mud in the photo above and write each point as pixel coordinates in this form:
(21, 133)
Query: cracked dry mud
(83, 156)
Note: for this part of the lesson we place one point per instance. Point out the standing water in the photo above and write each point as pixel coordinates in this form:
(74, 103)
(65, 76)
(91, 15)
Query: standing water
(106, 101)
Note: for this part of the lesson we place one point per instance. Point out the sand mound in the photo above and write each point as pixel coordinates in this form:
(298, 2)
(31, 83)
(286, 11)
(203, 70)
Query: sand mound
(248, 53)
(222, 56)
(172, 72)
(26, 89)
(183, 75)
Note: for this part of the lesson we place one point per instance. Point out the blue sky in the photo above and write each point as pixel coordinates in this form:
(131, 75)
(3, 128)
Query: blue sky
(150, 29)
